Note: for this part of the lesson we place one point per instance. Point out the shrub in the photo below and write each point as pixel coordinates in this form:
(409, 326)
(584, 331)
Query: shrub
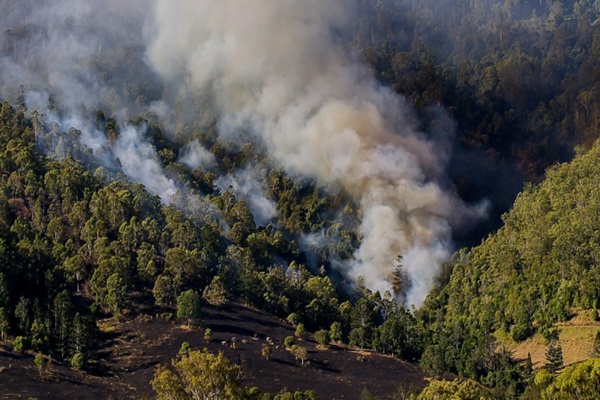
(21, 344)
(40, 362)
(293, 319)
(185, 347)
(289, 341)
(322, 337)
(78, 361)
(300, 331)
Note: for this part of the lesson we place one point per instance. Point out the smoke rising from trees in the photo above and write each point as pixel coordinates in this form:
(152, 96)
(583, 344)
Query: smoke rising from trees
(277, 68)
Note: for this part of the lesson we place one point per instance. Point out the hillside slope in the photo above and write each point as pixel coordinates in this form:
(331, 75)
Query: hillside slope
(133, 347)
(534, 272)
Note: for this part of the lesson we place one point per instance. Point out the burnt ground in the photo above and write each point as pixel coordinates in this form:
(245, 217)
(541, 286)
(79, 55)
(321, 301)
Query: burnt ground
(123, 363)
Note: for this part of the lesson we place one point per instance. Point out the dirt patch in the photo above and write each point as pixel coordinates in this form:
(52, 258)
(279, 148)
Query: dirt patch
(124, 362)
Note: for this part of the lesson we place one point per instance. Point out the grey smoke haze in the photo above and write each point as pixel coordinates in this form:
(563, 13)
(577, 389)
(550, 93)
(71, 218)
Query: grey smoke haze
(140, 163)
(246, 186)
(195, 156)
(54, 62)
(276, 66)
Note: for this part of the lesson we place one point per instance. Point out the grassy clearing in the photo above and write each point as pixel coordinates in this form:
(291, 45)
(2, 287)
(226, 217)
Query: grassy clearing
(577, 342)
(576, 339)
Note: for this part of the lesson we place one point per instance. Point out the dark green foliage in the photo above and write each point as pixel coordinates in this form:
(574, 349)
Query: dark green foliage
(519, 79)
(4, 323)
(464, 389)
(300, 330)
(501, 67)
(289, 341)
(189, 307)
(215, 293)
(21, 344)
(335, 331)
(78, 361)
(597, 345)
(306, 395)
(578, 381)
(322, 337)
(185, 348)
(554, 357)
(363, 319)
(400, 335)
(540, 265)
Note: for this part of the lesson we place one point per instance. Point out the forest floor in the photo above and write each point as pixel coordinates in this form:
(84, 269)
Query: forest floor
(124, 361)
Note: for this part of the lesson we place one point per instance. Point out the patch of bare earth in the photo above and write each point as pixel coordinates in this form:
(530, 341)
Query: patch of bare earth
(124, 362)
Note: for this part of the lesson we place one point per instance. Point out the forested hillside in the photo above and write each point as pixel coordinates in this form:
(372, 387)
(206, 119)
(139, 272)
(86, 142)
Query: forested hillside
(538, 269)
(76, 246)
(519, 79)
(323, 164)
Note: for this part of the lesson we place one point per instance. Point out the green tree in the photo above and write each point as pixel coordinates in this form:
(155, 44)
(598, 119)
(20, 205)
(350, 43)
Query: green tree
(322, 337)
(75, 268)
(79, 334)
(306, 395)
(554, 356)
(289, 341)
(189, 307)
(366, 394)
(116, 292)
(20, 344)
(399, 278)
(215, 293)
(22, 312)
(146, 262)
(39, 335)
(110, 282)
(78, 361)
(63, 314)
(293, 319)
(300, 330)
(300, 352)
(164, 290)
(400, 335)
(434, 360)
(4, 292)
(579, 381)
(198, 375)
(4, 324)
(208, 335)
(185, 348)
(336, 331)
(362, 323)
(322, 309)
(457, 389)
(40, 362)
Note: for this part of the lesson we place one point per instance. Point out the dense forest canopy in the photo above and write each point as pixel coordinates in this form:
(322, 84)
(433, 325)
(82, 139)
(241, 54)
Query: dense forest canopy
(324, 174)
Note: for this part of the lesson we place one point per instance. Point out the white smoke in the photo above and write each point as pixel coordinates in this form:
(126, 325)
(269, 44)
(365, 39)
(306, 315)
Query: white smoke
(276, 66)
(195, 156)
(140, 163)
(272, 66)
(244, 185)
(56, 59)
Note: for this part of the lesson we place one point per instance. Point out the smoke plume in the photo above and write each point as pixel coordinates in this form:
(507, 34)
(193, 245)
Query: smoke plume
(245, 186)
(277, 66)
